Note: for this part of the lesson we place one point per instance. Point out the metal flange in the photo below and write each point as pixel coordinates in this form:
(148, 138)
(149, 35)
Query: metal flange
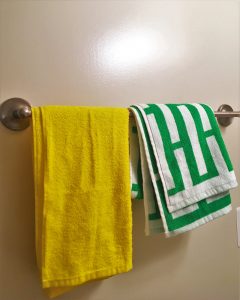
(224, 119)
(15, 114)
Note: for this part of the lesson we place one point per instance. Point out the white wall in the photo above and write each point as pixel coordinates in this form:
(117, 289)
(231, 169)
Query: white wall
(115, 53)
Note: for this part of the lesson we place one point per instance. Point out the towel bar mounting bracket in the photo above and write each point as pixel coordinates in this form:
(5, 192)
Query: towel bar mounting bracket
(221, 113)
(15, 114)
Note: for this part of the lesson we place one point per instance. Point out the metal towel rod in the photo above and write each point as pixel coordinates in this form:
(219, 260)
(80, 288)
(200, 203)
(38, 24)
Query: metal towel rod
(15, 114)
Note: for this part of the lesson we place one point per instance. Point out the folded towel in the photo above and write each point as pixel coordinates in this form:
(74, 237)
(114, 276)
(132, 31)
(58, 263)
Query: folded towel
(186, 169)
(82, 194)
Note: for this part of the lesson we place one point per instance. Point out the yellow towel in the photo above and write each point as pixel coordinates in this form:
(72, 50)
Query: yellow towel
(82, 194)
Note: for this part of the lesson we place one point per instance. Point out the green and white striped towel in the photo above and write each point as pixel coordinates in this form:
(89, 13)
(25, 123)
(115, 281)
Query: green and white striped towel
(179, 166)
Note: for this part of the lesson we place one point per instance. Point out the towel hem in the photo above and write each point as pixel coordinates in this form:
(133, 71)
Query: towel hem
(195, 225)
(208, 193)
(200, 222)
(76, 280)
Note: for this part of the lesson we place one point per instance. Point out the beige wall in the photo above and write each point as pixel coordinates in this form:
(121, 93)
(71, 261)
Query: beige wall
(117, 53)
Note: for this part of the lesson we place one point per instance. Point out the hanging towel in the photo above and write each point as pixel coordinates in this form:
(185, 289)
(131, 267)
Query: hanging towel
(82, 194)
(186, 170)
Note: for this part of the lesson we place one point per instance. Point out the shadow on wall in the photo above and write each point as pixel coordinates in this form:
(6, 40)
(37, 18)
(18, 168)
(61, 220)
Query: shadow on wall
(16, 215)
(17, 250)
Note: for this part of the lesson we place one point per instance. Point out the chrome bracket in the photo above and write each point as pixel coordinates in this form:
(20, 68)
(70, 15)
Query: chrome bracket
(15, 114)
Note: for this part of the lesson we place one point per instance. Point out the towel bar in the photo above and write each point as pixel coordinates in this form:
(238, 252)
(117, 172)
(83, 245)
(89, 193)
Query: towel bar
(15, 114)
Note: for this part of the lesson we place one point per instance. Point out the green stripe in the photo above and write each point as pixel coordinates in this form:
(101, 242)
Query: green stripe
(218, 136)
(135, 187)
(168, 148)
(140, 180)
(202, 135)
(185, 144)
(156, 215)
(134, 129)
(150, 150)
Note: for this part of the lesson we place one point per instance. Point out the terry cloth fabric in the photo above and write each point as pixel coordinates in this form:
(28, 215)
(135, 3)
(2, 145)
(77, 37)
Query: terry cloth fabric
(186, 170)
(82, 194)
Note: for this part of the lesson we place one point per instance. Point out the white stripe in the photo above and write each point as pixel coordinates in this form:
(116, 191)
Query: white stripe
(156, 227)
(193, 136)
(143, 105)
(204, 117)
(171, 124)
(217, 155)
(134, 152)
(134, 194)
(183, 166)
(147, 187)
(160, 152)
(185, 211)
(217, 197)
